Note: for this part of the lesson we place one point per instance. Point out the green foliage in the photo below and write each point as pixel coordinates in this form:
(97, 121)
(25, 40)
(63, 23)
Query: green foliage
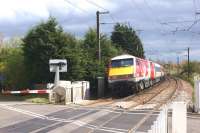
(14, 42)
(34, 98)
(90, 47)
(194, 67)
(124, 37)
(48, 41)
(12, 68)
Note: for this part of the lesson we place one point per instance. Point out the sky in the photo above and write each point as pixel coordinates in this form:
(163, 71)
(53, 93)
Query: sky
(166, 27)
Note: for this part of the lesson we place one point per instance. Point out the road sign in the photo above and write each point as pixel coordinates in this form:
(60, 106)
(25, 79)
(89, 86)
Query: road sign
(62, 63)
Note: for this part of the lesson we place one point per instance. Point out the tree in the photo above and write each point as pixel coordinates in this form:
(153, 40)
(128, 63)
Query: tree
(90, 47)
(124, 37)
(13, 42)
(12, 68)
(48, 41)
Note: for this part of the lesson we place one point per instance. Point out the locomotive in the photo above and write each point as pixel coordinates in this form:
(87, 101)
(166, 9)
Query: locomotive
(128, 74)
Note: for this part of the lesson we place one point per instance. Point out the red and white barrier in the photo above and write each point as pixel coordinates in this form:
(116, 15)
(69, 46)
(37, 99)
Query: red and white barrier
(27, 92)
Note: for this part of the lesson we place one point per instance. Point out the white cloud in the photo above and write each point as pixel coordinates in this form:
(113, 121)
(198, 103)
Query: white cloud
(76, 16)
(10, 9)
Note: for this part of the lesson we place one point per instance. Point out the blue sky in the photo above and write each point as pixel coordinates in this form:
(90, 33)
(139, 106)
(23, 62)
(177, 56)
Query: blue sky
(165, 25)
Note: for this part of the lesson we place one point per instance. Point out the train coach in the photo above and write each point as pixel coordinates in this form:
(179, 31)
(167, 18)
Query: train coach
(128, 74)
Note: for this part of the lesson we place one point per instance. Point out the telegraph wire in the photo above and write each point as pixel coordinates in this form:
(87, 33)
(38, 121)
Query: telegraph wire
(83, 11)
(95, 4)
(195, 9)
(133, 3)
(157, 18)
(73, 5)
(111, 16)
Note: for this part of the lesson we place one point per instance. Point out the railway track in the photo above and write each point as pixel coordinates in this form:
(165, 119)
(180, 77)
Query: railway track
(168, 97)
(147, 96)
(138, 98)
(158, 95)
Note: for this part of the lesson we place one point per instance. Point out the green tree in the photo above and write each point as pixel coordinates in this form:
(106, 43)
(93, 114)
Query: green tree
(48, 41)
(12, 68)
(13, 42)
(90, 47)
(125, 37)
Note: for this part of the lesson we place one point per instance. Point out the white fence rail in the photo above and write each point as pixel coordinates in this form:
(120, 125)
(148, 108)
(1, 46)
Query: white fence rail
(160, 125)
(179, 119)
(68, 92)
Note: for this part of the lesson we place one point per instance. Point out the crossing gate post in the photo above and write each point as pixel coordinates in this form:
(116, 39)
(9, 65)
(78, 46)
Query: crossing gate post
(179, 117)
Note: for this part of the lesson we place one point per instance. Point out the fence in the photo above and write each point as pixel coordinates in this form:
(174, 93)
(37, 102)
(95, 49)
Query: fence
(70, 92)
(179, 119)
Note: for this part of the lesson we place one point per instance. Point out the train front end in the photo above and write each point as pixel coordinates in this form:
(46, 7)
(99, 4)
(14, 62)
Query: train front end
(121, 74)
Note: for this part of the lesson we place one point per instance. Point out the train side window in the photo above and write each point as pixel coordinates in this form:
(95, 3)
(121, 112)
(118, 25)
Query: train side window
(137, 62)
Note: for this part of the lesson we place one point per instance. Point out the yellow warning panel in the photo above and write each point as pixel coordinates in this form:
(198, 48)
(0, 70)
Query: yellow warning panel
(121, 71)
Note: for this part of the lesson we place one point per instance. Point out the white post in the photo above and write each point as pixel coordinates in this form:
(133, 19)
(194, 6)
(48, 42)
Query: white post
(50, 96)
(197, 95)
(150, 131)
(57, 77)
(155, 126)
(179, 117)
(163, 126)
(159, 122)
(165, 121)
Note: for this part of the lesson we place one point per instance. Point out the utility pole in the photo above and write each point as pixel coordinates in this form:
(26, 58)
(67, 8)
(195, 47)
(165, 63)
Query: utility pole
(178, 64)
(188, 62)
(98, 33)
(98, 37)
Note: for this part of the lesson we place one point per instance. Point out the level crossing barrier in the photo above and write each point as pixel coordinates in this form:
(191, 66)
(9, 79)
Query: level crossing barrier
(27, 91)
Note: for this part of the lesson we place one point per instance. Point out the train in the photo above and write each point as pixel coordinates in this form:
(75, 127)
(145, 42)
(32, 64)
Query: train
(128, 74)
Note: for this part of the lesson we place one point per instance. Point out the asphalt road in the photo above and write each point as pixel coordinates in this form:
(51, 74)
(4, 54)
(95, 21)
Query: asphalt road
(19, 117)
(29, 118)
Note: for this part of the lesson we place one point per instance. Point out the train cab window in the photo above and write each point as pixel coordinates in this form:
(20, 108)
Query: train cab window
(157, 69)
(122, 62)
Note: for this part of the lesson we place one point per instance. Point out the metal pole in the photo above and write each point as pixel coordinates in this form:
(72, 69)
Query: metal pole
(188, 62)
(57, 76)
(178, 64)
(98, 33)
(98, 37)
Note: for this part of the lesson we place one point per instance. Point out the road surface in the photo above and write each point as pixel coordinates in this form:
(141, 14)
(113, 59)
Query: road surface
(33, 118)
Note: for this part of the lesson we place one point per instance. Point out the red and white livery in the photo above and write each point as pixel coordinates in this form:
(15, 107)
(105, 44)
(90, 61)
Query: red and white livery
(136, 73)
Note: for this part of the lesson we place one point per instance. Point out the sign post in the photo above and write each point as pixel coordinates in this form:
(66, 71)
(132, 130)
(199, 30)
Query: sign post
(57, 66)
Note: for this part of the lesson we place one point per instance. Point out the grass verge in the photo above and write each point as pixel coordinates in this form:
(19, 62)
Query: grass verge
(34, 98)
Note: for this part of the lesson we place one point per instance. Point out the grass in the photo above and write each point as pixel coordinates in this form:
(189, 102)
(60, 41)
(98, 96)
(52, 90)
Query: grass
(189, 80)
(34, 98)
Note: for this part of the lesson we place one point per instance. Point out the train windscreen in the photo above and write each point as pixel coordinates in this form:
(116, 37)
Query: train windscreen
(122, 62)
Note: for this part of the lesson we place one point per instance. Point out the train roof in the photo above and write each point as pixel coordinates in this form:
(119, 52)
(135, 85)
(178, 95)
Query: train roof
(124, 56)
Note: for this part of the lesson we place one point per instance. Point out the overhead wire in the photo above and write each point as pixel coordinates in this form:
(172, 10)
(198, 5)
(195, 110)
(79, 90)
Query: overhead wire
(83, 11)
(97, 5)
(195, 9)
(139, 10)
(73, 5)
(157, 17)
(110, 14)
(134, 5)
